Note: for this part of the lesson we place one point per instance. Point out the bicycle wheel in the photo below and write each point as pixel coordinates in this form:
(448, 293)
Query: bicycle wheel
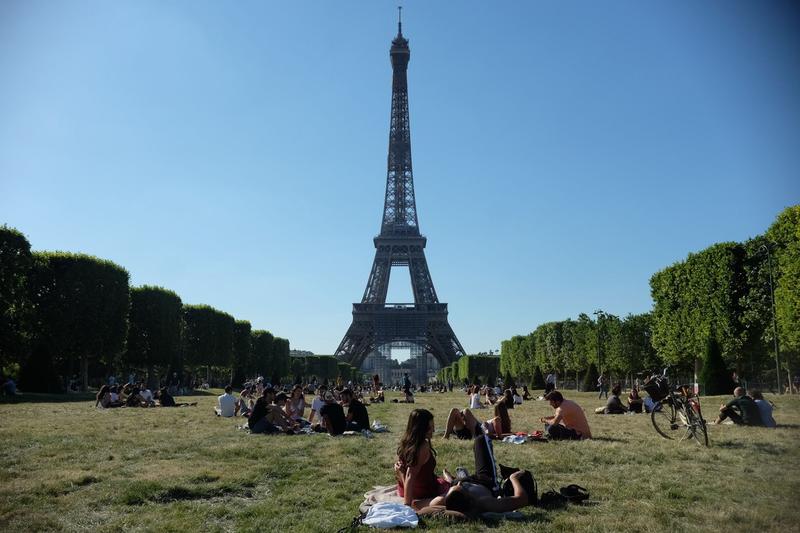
(663, 418)
(697, 426)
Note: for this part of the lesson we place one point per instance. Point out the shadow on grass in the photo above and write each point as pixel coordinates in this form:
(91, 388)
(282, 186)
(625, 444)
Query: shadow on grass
(763, 447)
(37, 397)
(609, 439)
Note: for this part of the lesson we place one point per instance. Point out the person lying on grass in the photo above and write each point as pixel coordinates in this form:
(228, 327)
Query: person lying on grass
(614, 405)
(568, 421)
(481, 492)
(458, 422)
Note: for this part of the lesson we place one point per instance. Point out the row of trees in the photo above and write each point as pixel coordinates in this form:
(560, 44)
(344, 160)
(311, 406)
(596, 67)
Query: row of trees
(323, 368)
(717, 301)
(64, 313)
(472, 369)
(580, 347)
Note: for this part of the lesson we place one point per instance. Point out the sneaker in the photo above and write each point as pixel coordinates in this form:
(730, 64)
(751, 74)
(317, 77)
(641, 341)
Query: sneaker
(461, 473)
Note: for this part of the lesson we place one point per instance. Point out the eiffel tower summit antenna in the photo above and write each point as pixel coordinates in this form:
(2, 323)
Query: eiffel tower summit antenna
(399, 20)
(422, 323)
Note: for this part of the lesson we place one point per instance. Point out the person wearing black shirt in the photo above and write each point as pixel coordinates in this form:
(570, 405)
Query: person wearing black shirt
(742, 410)
(357, 416)
(257, 421)
(333, 415)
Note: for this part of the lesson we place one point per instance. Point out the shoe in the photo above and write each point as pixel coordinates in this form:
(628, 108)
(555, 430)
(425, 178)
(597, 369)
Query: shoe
(461, 473)
(574, 493)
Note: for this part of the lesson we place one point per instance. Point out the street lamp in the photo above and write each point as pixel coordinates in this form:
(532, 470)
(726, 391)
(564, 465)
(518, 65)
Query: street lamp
(774, 319)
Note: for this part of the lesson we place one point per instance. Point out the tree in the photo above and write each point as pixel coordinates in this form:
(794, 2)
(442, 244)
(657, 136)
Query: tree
(208, 336)
(785, 233)
(715, 375)
(154, 335)
(280, 358)
(82, 305)
(242, 361)
(262, 351)
(16, 307)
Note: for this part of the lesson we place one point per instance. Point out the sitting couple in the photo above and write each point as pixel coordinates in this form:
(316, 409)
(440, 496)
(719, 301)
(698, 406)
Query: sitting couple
(421, 489)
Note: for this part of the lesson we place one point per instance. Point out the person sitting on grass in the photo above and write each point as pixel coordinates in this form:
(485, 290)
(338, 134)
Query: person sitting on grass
(764, 409)
(634, 400)
(296, 406)
(357, 416)
(379, 397)
(507, 398)
(526, 394)
(516, 396)
(146, 395)
(165, 399)
(568, 421)
(226, 404)
(317, 403)
(332, 417)
(257, 421)
(276, 413)
(415, 467)
(103, 398)
(500, 425)
(474, 398)
(481, 492)
(742, 410)
(614, 405)
(132, 398)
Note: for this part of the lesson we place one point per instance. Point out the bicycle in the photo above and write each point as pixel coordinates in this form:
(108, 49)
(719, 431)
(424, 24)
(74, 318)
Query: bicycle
(675, 409)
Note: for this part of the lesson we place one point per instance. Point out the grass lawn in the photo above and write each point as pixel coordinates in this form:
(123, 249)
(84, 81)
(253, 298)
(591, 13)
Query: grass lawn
(67, 466)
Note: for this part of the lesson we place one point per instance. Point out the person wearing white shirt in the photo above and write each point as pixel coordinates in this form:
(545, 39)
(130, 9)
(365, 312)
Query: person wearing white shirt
(146, 395)
(226, 404)
(317, 404)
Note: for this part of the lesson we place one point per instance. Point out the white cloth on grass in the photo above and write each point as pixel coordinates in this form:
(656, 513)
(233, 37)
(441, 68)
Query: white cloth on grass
(386, 515)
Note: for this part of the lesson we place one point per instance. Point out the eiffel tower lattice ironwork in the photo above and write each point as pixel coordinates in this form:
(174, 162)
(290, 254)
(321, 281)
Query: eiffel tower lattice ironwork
(400, 243)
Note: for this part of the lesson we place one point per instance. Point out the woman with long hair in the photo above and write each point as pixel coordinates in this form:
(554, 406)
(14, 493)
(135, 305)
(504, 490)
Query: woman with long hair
(416, 462)
(103, 398)
(474, 397)
(508, 399)
(296, 406)
(501, 423)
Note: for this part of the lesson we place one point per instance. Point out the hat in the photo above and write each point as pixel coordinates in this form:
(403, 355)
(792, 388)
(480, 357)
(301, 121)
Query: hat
(329, 397)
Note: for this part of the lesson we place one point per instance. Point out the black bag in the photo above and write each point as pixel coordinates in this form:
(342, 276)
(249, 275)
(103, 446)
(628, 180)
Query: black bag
(526, 480)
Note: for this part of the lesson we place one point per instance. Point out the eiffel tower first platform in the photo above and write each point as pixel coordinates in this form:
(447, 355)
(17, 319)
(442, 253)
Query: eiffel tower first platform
(375, 322)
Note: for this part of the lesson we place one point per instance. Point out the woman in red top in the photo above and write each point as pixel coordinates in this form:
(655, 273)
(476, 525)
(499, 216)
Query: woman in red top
(416, 462)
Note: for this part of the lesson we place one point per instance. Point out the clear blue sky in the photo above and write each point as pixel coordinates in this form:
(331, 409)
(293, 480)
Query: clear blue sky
(235, 151)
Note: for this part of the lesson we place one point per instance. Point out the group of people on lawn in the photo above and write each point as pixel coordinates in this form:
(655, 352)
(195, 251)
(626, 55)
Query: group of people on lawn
(421, 488)
(133, 395)
(279, 412)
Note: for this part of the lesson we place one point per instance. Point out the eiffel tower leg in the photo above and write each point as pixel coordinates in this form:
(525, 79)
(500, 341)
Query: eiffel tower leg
(421, 282)
(378, 283)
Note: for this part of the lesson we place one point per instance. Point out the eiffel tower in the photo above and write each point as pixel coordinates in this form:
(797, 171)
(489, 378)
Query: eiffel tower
(423, 322)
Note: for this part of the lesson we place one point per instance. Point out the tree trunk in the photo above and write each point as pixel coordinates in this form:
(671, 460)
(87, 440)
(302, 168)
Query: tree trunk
(152, 378)
(84, 373)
